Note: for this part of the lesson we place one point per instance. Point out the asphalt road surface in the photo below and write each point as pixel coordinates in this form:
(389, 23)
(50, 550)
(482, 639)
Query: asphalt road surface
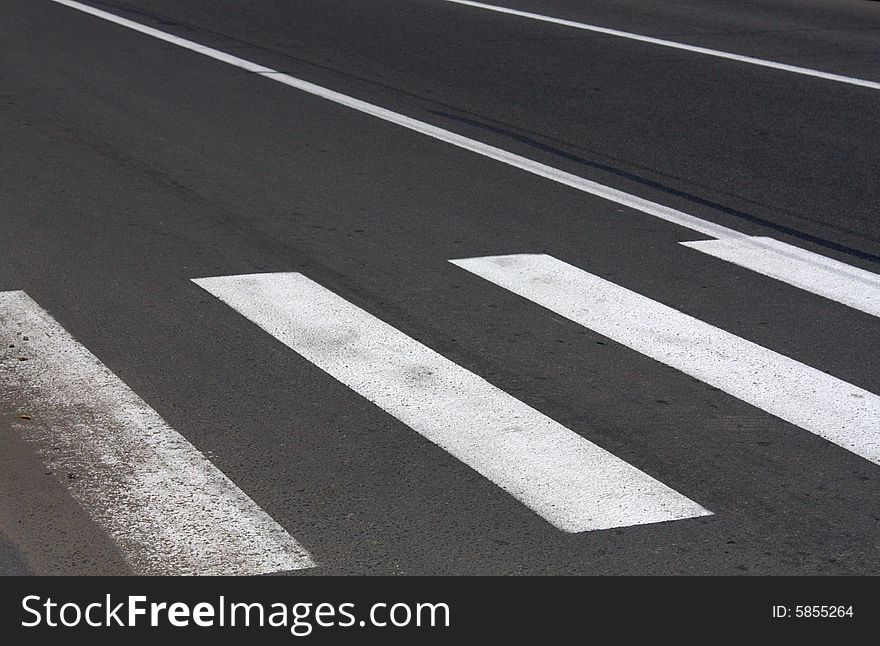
(578, 393)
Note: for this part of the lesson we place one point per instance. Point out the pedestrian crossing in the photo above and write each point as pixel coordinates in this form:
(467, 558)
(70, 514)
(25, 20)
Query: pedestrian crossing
(170, 510)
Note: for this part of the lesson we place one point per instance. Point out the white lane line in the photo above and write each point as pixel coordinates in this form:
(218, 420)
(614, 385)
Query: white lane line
(805, 71)
(491, 152)
(815, 401)
(166, 506)
(472, 145)
(826, 277)
(572, 483)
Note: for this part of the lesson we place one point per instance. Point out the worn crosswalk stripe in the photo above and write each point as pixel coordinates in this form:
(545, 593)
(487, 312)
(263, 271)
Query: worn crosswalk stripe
(572, 483)
(840, 412)
(168, 508)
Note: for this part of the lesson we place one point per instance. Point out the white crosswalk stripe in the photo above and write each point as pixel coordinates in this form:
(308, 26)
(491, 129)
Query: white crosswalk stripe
(167, 507)
(813, 400)
(572, 483)
(809, 271)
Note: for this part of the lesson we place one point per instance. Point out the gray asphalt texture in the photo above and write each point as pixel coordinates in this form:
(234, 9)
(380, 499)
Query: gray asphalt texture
(130, 166)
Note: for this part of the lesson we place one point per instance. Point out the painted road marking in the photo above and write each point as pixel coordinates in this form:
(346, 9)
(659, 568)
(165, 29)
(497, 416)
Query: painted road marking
(523, 163)
(572, 483)
(832, 279)
(169, 510)
(813, 400)
(805, 71)
(657, 210)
